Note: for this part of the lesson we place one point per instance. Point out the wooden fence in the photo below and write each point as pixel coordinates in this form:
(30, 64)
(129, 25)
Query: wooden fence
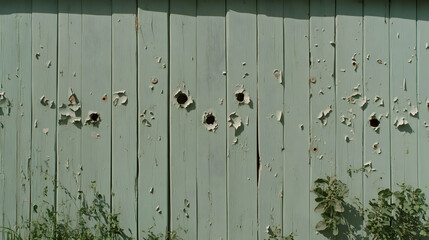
(212, 118)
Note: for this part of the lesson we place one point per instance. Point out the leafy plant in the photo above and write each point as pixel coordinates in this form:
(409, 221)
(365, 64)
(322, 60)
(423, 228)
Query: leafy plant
(276, 234)
(160, 236)
(330, 194)
(398, 215)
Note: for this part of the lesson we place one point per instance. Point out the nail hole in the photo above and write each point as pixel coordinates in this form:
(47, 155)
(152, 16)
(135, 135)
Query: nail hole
(315, 149)
(104, 98)
(210, 119)
(239, 96)
(375, 146)
(182, 98)
(374, 122)
(94, 117)
(354, 64)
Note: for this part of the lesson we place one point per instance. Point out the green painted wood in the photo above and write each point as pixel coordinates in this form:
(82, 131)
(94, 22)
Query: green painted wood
(15, 111)
(322, 98)
(96, 84)
(44, 104)
(69, 133)
(242, 157)
(403, 81)
(183, 121)
(423, 93)
(124, 114)
(270, 115)
(211, 144)
(153, 62)
(296, 200)
(349, 114)
(376, 145)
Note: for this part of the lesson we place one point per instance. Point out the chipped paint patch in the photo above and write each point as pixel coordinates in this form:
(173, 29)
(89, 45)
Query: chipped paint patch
(209, 121)
(414, 111)
(324, 114)
(234, 120)
(400, 122)
(146, 116)
(71, 112)
(120, 97)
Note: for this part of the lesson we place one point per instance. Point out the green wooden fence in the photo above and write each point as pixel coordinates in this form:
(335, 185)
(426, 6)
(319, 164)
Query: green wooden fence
(212, 118)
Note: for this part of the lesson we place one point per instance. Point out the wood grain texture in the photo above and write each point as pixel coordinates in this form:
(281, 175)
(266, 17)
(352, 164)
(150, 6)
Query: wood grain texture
(296, 200)
(69, 136)
(242, 158)
(376, 145)
(124, 114)
(96, 85)
(423, 93)
(270, 115)
(211, 144)
(322, 98)
(15, 112)
(44, 104)
(403, 86)
(153, 62)
(183, 120)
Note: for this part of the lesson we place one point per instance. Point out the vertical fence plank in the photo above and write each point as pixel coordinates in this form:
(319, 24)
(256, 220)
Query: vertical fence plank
(211, 136)
(322, 95)
(270, 115)
(297, 114)
(403, 91)
(241, 115)
(44, 95)
(124, 113)
(376, 146)
(69, 113)
(96, 91)
(183, 118)
(423, 92)
(350, 103)
(15, 111)
(153, 115)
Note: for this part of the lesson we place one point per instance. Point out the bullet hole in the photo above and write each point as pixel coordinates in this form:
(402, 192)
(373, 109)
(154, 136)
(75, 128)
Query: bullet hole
(182, 98)
(315, 149)
(210, 119)
(94, 117)
(239, 96)
(373, 122)
(104, 98)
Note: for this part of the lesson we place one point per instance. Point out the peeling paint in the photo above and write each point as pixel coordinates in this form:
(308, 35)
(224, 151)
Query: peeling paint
(70, 113)
(120, 97)
(400, 122)
(234, 120)
(324, 114)
(414, 111)
(404, 85)
(209, 121)
(301, 126)
(146, 116)
(45, 131)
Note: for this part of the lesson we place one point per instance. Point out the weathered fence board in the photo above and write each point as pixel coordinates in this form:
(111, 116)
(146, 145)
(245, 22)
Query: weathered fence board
(296, 105)
(211, 119)
(44, 104)
(183, 117)
(241, 102)
(211, 122)
(376, 143)
(270, 115)
(403, 89)
(322, 94)
(153, 62)
(422, 93)
(124, 113)
(96, 92)
(69, 136)
(15, 111)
